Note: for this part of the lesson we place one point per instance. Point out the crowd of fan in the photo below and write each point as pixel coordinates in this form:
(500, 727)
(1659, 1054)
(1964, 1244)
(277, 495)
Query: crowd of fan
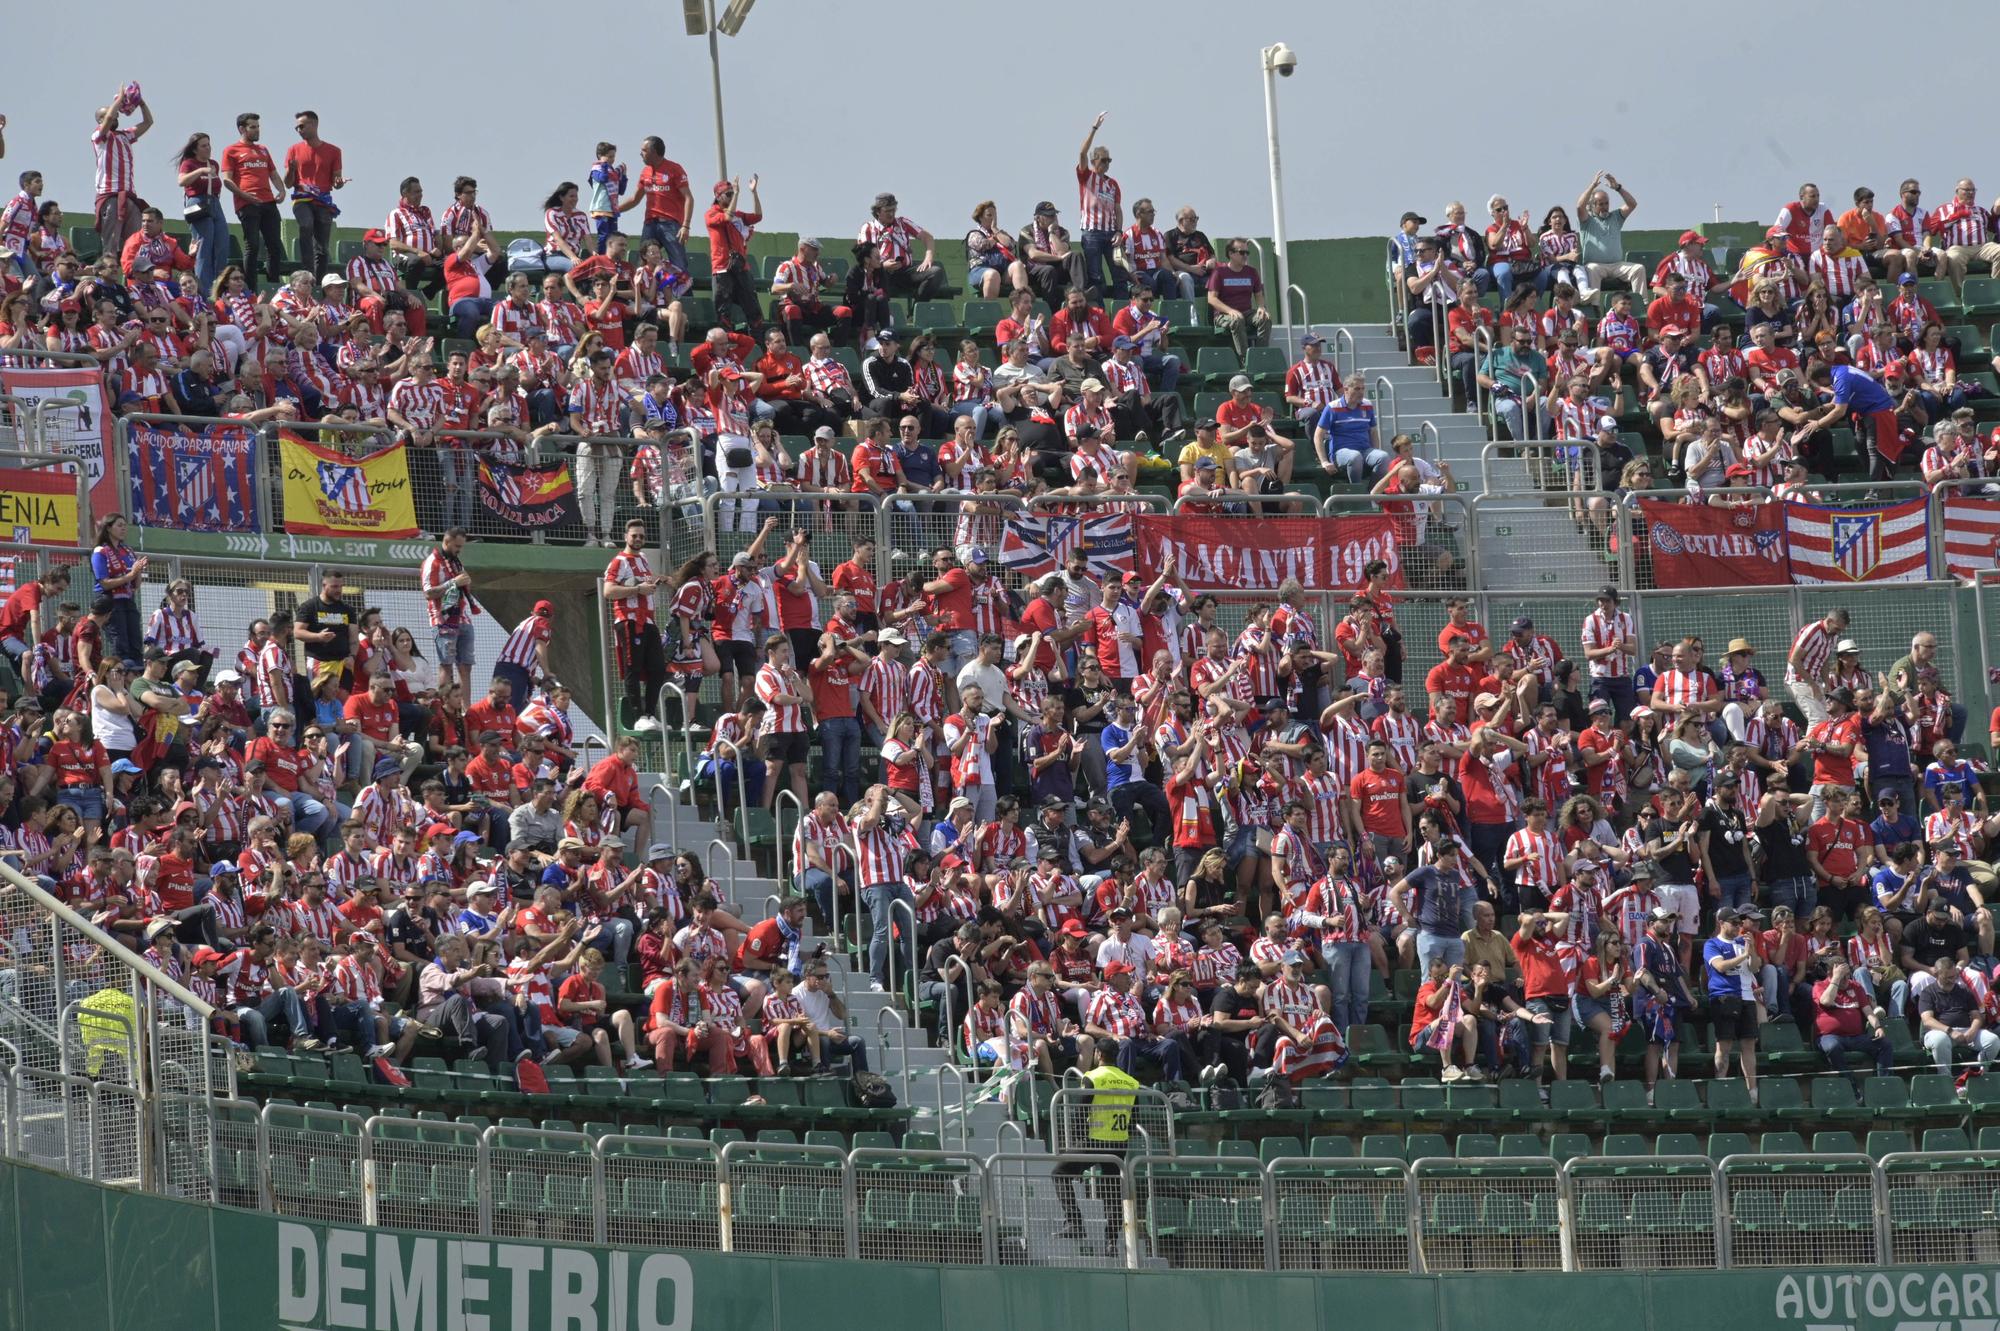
(1116, 824)
(1832, 329)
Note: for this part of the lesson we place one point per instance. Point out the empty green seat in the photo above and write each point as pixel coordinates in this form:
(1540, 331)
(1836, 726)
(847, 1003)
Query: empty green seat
(1835, 1143)
(1279, 1148)
(1946, 1139)
(1568, 1146)
(1887, 1141)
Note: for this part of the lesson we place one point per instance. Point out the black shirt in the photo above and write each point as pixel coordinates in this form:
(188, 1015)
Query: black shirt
(1955, 1007)
(885, 378)
(318, 614)
(1928, 943)
(1188, 247)
(1784, 846)
(1229, 1004)
(1726, 840)
(412, 930)
(1676, 866)
(942, 951)
(196, 394)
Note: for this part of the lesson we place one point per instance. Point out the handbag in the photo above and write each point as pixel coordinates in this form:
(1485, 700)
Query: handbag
(198, 208)
(738, 455)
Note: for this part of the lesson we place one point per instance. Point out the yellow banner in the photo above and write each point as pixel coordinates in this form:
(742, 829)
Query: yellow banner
(328, 493)
(37, 507)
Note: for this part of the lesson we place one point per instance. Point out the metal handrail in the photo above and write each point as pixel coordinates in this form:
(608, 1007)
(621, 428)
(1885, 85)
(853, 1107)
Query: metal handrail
(729, 855)
(1388, 390)
(1305, 322)
(1482, 403)
(1429, 441)
(153, 975)
(909, 911)
(1344, 366)
(778, 803)
(957, 1073)
(672, 801)
(889, 1013)
(1584, 464)
(742, 789)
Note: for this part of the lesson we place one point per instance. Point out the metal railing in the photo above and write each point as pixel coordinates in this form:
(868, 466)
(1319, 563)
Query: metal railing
(1179, 1210)
(1385, 391)
(1344, 362)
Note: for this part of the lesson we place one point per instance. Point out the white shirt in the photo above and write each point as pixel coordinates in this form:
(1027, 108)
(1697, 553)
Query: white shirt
(1136, 953)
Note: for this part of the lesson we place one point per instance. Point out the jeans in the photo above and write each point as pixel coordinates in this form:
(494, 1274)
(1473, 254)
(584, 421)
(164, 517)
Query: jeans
(263, 242)
(880, 899)
(1734, 889)
(1618, 691)
(987, 417)
(461, 483)
(668, 233)
(840, 747)
(1190, 285)
(1489, 846)
(1167, 1053)
(1147, 796)
(1348, 968)
(468, 314)
(1836, 1048)
(1895, 1002)
(315, 236)
(614, 939)
(1102, 275)
(1801, 894)
(124, 635)
(1362, 466)
(1503, 277)
(1432, 946)
(1513, 415)
(308, 814)
(282, 1005)
(1940, 1047)
(819, 885)
(211, 245)
(1163, 371)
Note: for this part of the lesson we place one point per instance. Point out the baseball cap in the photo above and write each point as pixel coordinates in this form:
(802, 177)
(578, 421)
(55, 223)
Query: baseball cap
(825, 432)
(804, 241)
(1092, 385)
(1728, 915)
(439, 829)
(1045, 209)
(571, 843)
(545, 607)
(721, 187)
(223, 867)
(1117, 911)
(893, 637)
(1608, 593)
(1523, 624)
(126, 767)
(1294, 958)
(1117, 968)
(1418, 218)
(887, 335)
(741, 559)
(1239, 383)
(1607, 423)
(1599, 705)
(1208, 423)
(1074, 928)
(333, 280)
(1312, 340)
(1486, 700)
(1122, 343)
(1907, 280)
(228, 677)
(375, 235)
(1673, 330)
(1693, 238)
(1205, 464)
(479, 887)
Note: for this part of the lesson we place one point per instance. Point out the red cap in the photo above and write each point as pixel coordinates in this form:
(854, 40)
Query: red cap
(185, 806)
(439, 829)
(1117, 968)
(203, 955)
(1693, 238)
(1743, 469)
(544, 608)
(1673, 330)
(1774, 232)
(1075, 929)
(375, 235)
(722, 187)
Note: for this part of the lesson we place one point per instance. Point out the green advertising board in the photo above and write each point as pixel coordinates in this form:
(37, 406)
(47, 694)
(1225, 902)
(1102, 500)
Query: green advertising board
(79, 1257)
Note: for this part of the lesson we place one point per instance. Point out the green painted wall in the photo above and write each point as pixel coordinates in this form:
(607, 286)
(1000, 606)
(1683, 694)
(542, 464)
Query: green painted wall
(82, 1258)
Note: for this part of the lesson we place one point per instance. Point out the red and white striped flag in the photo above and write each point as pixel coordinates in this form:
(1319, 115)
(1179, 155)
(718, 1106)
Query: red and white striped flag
(1971, 534)
(1881, 543)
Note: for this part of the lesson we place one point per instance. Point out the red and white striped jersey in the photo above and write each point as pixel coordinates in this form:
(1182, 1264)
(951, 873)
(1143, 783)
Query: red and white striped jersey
(1723, 363)
(1602, 630)
(113, 150)
(1123, 377)
(1145, 248)
(174, 630)
(17, 222)
(1961, 829)
(895, 241)
(366, 274)
(1098, 200)
(394, 869)
(1080, 414)
(1293, 1002)
(824, 469)
(1260, 660)
(1682, 688)
(927, 692)
(1619, 332)
(1342, 908)
(421, 404)
(1544, 852)
(596, 405)
(826, 374)
(634, 367)
(1303, 863)
(322, 921)
(1842, 275)
(528, 980)
(1044, 890)
(1118, 1013)
(887, 686)
(1313, 379)
(564, 321)
(1346, 747)
(1813, 646)
(457, 219)
(414, 227)
(880, 853)
(628, 569)
(519, 648)
(1866, 953)
(1697, 272)
(273, 678)
(353, 982)
(784, 718)
(1322, 793)
(1955, 223)
(1036, 1016)
(514, 321)
(1206, 670)
(343, 870)
(566, 224)
(1403, 734)
(829, 837)
(1575, 420)
(694, 602)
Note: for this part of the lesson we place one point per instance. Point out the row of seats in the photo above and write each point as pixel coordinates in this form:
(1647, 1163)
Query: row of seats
(1235, 1155)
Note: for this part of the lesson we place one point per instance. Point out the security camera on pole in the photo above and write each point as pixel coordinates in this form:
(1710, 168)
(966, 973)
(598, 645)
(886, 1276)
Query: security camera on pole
(1278, 60)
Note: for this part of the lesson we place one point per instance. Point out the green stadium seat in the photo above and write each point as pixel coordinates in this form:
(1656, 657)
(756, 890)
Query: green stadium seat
(1522, 1145)
(1887, 1141)
(1934, 1095)
(940, 319)
(1478, 1146)
(1626, 1144)
(1886, 1097)
(1575, 1100)
(1332, 1148)
(1833, 1098)
(1778, 1143)
(1677, 1143)
(1266, 366)
(1945, 1139)
(1781, 1100)
(1428, 1146)
(1981, 298)
(1940, 293)
(1568, 1146)
(1279, 1148)
(1383, 1146)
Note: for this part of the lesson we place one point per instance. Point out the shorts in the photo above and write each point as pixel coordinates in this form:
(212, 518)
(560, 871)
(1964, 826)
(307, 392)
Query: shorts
(1557, 1031)
(1588, 1008)
(88, 801)
(1731, 1018)
(562, 1037)
(736, 657)
(454, 644)
(322, 671)
(1683, 899)
(789, 747)
(1420, 1043)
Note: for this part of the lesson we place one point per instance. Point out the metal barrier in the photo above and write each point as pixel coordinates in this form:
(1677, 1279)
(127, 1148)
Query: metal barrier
(729, 859)
(1084, 1119)
(1937, 1206)
(786, 1200)
(312, 1163)
(1338, 1215)
(1211, 1218)
(422, 1174)
(1487, 1214)
(1574, 469)
(1655, 1212)
(927, 1206)
(1343, 365)
(908, 913)
(1295, 331)
(1385, 391)
(1827, 1210)
(1066, 1210)
(1436, 541)
(1546, 541)
(784, 850)
(1975, 552)
(888, 1017)
(543, 1184)
(661, 1192)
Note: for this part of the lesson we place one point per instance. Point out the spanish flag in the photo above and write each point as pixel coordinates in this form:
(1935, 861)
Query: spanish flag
(328, 493)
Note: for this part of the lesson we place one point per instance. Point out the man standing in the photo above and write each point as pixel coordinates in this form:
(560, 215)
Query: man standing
(629, 584)
(447, 589)
(1236, 300)
(1100, 214)
(252, 177)
(1601, 232)
(669, 201)
(313, 170)
(117, 181)
(729, 230)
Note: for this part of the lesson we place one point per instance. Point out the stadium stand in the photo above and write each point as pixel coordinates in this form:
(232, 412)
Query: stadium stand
(936, 884)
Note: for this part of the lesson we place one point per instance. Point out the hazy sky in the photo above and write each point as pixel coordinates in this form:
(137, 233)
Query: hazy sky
(947, 102)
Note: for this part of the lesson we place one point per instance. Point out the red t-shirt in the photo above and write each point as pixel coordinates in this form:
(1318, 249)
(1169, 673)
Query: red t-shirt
(1423, 1016)
(857, 582)
(483, 716)
(1482, 801)
(579, 989)
(76, 762)
(955, 605)
(1471, 630)
(1380, 795)
(1541, 974)
(664, 186)
(173, 879)
(1832, 768)
(1840, 845)
(795, 602)
(249, 167)
(1039, 614)
(832, 695)
(281, 765)
(14, 615)
(1104, 633)
(1234, 415)
(377, 723)
(1459, 683)
(317, 164)
(765, 941)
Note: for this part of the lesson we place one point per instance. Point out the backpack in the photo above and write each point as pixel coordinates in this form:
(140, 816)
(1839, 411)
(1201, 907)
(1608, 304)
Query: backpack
(1278, 1093)
(871, 1091)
